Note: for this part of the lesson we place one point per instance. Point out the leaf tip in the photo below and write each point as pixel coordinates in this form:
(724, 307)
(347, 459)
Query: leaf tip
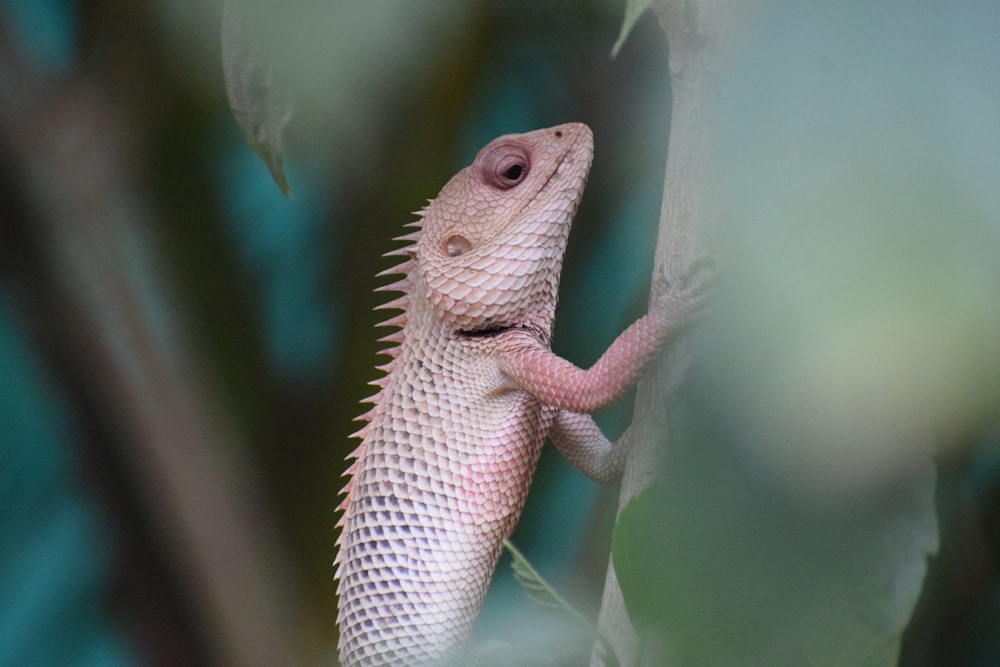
(633, 10)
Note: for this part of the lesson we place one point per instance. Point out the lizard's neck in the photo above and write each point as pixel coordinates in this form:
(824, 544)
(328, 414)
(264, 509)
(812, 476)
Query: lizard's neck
(423, 320)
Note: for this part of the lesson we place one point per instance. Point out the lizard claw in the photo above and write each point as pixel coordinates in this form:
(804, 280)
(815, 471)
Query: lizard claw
(686, 300)
(699, 271)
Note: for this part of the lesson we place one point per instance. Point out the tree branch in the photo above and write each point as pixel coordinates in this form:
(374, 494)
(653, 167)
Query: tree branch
(697, 31)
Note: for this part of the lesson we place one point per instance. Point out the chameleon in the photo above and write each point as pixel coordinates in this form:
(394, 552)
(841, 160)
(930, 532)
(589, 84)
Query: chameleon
(469, 394)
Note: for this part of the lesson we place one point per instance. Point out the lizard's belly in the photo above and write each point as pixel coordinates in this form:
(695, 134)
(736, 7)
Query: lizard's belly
(441, 483)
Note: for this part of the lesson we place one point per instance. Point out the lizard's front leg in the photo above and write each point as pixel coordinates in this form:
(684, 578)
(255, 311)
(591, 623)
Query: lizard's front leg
(532, 367)
(581, 442)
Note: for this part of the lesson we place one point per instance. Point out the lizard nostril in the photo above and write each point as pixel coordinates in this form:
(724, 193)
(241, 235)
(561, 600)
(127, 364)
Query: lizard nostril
(558, 134)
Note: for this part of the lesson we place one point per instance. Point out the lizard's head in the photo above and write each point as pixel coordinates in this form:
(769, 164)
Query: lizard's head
(491, 249)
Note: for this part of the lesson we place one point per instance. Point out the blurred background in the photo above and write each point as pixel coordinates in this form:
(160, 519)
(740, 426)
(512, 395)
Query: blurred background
(183, 349)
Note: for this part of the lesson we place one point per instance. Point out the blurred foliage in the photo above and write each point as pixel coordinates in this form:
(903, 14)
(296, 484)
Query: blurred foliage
(732, 571)
(865, 285)
(48, 590)
(858, 326)
(858, 190)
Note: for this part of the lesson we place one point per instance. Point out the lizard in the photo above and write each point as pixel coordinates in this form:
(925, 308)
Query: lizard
(469, 394)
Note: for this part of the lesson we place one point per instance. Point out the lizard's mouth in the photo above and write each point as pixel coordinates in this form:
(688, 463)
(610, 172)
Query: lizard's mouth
(555, 172)
(561, 164)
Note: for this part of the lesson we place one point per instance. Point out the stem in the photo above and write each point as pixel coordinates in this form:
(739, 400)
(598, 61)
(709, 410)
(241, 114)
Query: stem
(696, 33)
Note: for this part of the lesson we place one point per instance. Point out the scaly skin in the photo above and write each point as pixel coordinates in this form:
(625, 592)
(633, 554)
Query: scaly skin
(470, 393)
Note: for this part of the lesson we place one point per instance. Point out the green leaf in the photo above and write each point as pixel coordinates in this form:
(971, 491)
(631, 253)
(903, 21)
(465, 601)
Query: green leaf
(257, 80)
(633, 10)
(543, 594)
(731, 569)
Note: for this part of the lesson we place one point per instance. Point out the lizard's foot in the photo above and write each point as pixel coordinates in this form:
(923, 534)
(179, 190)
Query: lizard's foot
(686, 300)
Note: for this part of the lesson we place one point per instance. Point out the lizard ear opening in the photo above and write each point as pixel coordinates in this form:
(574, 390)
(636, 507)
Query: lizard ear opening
(456, 245)
(504, 166)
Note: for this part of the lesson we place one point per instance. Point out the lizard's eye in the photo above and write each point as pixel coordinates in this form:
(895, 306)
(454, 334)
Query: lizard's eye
(456, 245)
(513, 172)
(505, 166)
